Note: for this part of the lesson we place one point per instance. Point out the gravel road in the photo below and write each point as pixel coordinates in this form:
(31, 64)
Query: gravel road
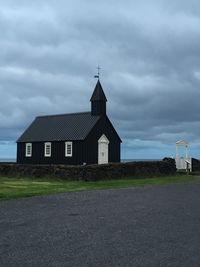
(150, 226)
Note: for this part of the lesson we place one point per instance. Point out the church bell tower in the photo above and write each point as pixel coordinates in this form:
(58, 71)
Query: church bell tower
(98, 101)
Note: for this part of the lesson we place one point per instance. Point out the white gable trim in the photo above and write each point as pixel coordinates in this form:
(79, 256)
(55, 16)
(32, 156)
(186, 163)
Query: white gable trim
(103, 139)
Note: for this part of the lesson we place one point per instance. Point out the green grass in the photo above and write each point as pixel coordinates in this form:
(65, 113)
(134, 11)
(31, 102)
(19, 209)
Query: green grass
(26, 187)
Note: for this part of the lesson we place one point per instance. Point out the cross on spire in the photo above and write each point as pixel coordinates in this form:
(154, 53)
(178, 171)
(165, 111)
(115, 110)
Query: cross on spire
(98, 68)
(98, 72)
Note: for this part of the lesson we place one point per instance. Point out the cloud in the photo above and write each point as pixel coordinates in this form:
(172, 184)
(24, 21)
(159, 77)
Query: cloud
(148, 51)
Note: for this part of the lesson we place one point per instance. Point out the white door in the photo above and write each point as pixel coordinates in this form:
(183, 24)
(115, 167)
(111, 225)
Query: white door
(103, 143)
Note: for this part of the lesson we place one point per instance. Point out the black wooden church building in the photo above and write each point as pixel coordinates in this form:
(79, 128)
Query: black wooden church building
(73, 139)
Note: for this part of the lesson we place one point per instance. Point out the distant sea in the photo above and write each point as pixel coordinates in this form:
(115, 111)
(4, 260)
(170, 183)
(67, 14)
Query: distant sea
(7, 160)
(122, 160)
(129, 160)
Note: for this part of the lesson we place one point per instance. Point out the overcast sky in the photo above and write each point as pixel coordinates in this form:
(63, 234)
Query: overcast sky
(149, 53)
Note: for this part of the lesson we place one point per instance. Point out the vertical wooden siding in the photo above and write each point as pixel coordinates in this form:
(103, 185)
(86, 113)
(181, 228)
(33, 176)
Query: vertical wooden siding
(57, 154)
(83, 151)
(103, 126)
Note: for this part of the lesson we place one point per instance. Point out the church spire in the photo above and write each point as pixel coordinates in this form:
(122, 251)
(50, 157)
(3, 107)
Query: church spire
(98, 101)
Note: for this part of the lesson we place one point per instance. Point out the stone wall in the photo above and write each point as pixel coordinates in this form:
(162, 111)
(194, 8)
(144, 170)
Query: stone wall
(91, 172)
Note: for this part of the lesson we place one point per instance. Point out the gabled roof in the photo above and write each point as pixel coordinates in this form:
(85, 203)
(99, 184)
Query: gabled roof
(98, 94)
(74, 126)
(182, 142)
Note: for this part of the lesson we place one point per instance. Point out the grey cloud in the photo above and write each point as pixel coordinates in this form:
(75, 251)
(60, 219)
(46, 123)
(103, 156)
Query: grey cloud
(149, 53)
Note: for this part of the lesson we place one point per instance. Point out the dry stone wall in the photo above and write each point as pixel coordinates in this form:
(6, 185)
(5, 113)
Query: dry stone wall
(91, 172)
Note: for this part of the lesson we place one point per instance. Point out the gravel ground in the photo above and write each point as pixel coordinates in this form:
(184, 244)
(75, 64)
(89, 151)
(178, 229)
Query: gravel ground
(150, 226)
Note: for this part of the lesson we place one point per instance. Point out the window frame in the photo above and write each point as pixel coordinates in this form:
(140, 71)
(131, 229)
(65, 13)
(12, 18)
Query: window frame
(46, 144)
(28, 153)
(66, 149)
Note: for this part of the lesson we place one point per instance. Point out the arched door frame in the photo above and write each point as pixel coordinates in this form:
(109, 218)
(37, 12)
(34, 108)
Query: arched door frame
(103, 150)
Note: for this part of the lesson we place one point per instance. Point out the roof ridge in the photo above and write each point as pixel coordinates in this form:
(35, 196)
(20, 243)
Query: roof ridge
(60, 127)
(64, 114)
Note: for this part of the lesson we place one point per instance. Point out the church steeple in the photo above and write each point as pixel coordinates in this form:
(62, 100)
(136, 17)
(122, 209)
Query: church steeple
(98, 101)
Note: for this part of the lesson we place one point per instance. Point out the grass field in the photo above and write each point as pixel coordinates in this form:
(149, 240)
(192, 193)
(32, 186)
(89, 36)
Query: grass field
(26, 187)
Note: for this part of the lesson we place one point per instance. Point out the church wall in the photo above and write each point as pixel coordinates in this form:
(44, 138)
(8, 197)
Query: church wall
(91, 143)
(83, 151)
(57, 154)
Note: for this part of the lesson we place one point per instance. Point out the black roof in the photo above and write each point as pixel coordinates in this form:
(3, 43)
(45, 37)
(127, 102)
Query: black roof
(74, 126)
(98, 94)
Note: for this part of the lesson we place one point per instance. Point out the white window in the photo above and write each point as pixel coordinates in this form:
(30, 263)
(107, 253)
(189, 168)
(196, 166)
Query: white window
(68, 149)
(47, 149)
(28, 149)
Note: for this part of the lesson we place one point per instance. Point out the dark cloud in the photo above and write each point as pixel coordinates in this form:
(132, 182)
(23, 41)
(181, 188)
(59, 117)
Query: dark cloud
(149, 53)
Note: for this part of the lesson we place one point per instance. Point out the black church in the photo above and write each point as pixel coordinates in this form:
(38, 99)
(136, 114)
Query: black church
(72, 139)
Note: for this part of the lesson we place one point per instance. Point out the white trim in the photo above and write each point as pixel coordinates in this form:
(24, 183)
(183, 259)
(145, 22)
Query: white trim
(47, 149)
(28, 152)
(103, 149)
(103, 139)
(68, 149)
(182, 142)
